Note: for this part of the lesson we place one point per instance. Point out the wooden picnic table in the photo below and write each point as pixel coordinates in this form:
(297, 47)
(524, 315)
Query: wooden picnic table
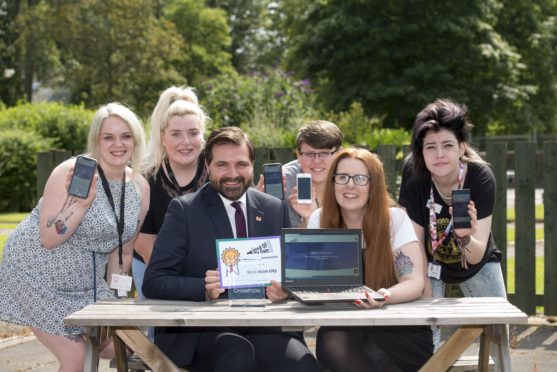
(484, 317)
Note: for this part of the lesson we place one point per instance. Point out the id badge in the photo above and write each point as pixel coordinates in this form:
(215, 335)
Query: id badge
(434, 270)
(121, 282)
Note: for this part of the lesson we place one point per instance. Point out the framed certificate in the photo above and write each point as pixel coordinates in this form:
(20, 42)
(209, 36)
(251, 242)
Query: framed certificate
(249, 262)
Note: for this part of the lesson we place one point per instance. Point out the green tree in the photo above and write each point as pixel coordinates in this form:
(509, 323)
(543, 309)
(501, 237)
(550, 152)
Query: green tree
(116, 50)
(395, 57)
(531, 27)
(256, 44)
(10, 83)
(270, 107)
(206, 40)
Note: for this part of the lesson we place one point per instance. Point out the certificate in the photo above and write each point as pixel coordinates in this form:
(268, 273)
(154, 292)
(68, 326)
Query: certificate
(250, 262)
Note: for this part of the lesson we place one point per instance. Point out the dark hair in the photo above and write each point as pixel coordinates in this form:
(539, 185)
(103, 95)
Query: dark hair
(227, 136)
(319, 134)
(441, 114)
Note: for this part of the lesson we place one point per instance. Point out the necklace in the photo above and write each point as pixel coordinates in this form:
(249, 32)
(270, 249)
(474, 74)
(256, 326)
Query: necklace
(444, 197)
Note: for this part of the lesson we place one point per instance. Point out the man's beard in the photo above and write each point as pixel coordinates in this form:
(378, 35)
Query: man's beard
(231, 193)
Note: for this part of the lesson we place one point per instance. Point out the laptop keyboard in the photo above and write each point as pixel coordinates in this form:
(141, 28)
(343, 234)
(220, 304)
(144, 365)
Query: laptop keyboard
(329, 289)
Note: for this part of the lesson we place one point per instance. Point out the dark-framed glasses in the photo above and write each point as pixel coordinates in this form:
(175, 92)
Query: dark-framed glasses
(318, 155)
(358, 179)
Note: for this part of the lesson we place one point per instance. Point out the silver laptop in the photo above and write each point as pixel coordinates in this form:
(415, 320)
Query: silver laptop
(324, 265)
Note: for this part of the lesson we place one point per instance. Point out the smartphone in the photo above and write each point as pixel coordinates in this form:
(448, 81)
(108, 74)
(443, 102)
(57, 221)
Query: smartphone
(461, 199)
(272, 175)
(303, 181)
(83, 173)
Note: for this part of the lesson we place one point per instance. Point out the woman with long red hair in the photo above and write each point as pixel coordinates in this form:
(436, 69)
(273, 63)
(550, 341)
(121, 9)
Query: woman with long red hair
(356, 196)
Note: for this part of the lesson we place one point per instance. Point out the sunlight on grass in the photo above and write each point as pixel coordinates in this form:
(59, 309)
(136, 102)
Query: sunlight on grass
(8, 222)
(539, 275)
(12, 218)
(511, 215)
(511, 233)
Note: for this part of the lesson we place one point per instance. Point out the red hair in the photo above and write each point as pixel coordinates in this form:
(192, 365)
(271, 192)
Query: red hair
(378, 255)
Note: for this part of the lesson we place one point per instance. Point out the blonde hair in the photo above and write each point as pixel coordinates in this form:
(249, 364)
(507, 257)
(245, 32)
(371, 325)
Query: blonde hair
(138, 133)
(378, 256)
(174, 101)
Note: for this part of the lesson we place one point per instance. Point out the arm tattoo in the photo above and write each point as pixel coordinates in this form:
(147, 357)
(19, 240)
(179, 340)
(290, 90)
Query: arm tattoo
(403, 264)
(59, 221)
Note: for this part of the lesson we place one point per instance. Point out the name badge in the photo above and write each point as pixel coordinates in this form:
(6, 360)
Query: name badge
(121, 282)
(434, 270)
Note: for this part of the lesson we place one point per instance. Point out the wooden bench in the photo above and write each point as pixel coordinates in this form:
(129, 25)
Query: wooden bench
(483, 317)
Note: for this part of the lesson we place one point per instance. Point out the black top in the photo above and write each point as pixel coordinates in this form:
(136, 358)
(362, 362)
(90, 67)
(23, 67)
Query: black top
(414, 194)
(162, 192)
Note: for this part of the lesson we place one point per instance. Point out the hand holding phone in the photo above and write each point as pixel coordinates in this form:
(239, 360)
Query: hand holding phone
(272, 176)
(303, 183)
(461, 218)
(83, 173)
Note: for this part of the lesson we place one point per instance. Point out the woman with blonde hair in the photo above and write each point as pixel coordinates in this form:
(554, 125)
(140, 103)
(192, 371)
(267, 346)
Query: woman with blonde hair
(356, 196)
(54, 263)
(175, 164)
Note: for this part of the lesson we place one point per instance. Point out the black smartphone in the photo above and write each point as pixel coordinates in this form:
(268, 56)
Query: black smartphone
(83, 173)
(461, 199)
(272, 175)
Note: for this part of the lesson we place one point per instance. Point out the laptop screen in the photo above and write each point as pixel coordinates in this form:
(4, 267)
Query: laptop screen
(321, 256)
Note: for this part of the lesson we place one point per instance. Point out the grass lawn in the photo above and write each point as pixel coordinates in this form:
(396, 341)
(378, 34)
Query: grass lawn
(511, 216)
(9, 221)
(539, 275)
(511, 233)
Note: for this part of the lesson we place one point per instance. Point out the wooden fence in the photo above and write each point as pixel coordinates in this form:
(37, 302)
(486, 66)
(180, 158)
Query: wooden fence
(525, 296)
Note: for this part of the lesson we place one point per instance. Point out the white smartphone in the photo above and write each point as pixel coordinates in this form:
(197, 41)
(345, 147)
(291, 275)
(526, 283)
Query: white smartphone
(303, 181)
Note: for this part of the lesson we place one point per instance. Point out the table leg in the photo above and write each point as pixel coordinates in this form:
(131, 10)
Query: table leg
(452, 349)
(485, 344)
(92, 342)
(120, 351)
(500, 340)
(146, 350)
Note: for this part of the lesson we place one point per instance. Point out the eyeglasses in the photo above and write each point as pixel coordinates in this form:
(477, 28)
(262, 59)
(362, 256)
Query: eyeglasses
(319, 155)
(358, 179)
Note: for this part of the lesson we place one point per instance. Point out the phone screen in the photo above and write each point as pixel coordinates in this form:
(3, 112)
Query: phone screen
(82, 176)
(304, 188)
(273, 180)
(461, 199)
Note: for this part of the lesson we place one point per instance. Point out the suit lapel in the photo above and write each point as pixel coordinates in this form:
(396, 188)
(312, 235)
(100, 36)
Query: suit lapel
(217, 212)
(255, 216)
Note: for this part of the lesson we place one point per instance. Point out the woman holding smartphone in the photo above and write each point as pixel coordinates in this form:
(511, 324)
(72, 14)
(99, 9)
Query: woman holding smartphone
(55, 261)
(356, 196)
(442, 161)
(175, 164)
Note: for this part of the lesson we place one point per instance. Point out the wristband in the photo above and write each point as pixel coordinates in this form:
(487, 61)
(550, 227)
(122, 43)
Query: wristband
(462, 241)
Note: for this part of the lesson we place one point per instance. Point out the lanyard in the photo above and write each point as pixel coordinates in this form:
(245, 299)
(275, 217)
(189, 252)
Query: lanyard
(119, 221)
(436, 240)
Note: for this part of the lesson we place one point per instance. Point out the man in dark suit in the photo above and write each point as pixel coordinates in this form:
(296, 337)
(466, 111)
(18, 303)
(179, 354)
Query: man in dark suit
(183, 265)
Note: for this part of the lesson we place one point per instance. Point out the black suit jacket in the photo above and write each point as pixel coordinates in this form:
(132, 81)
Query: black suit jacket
(185, 249)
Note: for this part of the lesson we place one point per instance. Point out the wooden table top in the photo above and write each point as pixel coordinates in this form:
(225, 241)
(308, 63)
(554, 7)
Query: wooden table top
(441, 311)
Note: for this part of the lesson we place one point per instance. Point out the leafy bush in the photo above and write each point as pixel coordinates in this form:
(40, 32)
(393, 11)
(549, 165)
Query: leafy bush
(65, 126)
(361, 130)
(269, 107)
(18, 168)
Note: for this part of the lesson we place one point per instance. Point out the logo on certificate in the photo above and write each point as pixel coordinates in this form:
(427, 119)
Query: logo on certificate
(230, 257)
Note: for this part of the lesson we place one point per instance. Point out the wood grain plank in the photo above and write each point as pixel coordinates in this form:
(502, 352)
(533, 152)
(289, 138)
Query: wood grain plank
(452, 349)
(146, 350)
